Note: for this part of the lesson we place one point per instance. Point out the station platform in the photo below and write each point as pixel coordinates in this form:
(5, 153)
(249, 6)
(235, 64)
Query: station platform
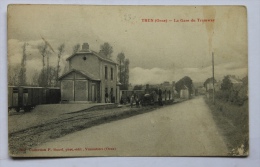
(48, 112)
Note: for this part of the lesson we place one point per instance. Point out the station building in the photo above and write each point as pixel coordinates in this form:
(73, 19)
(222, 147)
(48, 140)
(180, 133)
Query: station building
(90, 77)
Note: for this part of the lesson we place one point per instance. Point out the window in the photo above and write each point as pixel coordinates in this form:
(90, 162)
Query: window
(112, 74)
(106, 72)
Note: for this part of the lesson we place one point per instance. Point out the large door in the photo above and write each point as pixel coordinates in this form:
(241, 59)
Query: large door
(81, 90)
(67, 90)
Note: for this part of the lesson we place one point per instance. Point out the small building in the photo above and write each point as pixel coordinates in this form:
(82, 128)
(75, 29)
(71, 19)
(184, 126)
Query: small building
(236, 83)
(209, 86)
(91, 77)
(184, 93)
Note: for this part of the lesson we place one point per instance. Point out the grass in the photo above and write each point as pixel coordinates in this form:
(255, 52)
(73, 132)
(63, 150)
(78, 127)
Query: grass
(232, 120)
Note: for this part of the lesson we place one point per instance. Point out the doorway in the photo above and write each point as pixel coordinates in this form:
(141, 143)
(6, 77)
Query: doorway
(94, 92)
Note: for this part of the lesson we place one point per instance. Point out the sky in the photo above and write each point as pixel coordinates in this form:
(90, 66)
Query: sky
(158, 51)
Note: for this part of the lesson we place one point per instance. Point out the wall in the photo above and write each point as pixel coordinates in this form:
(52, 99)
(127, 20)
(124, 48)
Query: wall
(90, 65)
(184, 94)
(75, 87)
(97, 67)
(107, 83)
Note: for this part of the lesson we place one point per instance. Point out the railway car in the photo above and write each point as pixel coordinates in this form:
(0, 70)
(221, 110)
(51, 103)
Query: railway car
(25, 98)
(147, 99)
(126, 95)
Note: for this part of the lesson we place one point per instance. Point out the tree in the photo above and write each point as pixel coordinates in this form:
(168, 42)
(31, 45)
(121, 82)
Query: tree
(61, 51)
(245, 80)
(22, 73)
(185, 81)
(126, 73)
(123, 70)
(226, 83)
(13, 73)
(76, 48)
(121, 67)
(35, 78)
(138, 87)
(51, 80)
(209, 80)
(43, 49)
(106, 50)
(66, 68)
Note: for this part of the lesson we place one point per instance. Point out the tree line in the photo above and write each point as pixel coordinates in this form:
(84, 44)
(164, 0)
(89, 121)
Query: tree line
(48, 75)
(235, 93)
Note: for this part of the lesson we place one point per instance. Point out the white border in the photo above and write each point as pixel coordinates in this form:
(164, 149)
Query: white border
(253, 8)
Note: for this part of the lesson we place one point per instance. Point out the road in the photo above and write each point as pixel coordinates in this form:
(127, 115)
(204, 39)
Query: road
(184, 129)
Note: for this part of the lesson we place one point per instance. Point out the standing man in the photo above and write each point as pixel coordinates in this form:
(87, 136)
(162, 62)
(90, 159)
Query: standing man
(111, 96)
(165, 94)
(132, 100)
(106, 97)
(160, 97)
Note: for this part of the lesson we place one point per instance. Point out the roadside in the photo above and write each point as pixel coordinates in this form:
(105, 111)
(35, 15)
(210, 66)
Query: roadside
(232, 121)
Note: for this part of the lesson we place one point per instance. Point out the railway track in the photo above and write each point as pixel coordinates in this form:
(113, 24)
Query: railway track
(22, 140)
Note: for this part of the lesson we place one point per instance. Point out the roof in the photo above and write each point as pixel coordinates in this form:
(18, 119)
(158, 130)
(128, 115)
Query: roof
(235, 80)
(82, 52)
(85, 74)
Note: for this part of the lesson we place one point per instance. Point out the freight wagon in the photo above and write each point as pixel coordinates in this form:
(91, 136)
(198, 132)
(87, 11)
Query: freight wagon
(25, 98)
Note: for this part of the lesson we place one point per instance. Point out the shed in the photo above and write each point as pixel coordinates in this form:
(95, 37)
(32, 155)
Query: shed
(77, 85)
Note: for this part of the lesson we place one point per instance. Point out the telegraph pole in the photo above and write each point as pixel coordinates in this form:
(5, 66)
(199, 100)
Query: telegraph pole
(213, 79)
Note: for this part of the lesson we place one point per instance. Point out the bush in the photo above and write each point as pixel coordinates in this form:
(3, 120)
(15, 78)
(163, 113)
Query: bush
(222, 95)
(236, 97)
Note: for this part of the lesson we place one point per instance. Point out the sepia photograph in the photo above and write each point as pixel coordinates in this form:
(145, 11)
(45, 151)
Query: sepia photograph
(117, 81)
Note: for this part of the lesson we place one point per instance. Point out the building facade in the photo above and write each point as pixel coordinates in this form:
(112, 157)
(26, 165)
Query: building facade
(91, 78)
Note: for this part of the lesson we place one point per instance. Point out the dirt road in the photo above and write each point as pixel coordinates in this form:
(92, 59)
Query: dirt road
(184, 129)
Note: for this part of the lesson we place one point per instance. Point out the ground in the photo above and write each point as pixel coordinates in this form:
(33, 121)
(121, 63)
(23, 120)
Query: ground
(182, 129)
(233, 123)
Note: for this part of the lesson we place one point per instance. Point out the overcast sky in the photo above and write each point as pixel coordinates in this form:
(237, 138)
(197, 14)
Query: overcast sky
(157, 51)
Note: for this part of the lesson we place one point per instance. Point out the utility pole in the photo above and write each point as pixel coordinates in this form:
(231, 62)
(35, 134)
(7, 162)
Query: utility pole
(213, 78)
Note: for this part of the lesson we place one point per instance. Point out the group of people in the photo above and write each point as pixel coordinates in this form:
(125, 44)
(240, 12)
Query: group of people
(109, 98)
(136, 99)
(146, 98)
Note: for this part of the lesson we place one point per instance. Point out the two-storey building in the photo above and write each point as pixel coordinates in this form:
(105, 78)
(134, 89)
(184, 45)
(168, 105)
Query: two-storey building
(91, 77)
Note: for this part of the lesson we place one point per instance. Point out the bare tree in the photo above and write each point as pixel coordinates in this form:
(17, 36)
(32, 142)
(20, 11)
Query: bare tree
(126, 73)
(76, 48)
(66, 68)
(106, 50)
(13, 73)
(44, 75)
(52, 76)
(22, 73)
(61, 51)
(35, 79)
(49, 81)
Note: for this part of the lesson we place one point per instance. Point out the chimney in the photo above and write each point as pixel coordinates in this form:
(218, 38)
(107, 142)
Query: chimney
(85, 47)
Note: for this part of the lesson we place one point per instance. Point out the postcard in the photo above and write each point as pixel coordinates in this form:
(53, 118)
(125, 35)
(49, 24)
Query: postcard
(86, 80)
